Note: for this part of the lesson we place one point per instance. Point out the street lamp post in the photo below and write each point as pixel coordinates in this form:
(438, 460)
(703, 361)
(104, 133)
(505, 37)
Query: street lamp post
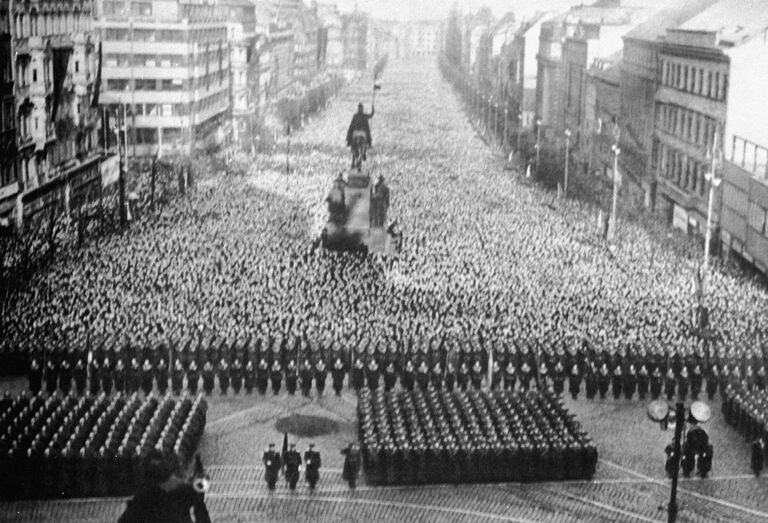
(506, 122)
(612, 226)
(567, 154)
(714, 182)
(519, 131)
(538, 144)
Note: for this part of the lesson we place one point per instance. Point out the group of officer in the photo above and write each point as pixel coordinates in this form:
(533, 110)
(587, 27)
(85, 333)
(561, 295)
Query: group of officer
(68, 446)
(745, 407)
(290, 463)
(436, 436)
(300, 362)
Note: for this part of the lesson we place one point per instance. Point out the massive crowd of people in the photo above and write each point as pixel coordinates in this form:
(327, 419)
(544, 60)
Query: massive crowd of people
(488, 264)
(68, 446)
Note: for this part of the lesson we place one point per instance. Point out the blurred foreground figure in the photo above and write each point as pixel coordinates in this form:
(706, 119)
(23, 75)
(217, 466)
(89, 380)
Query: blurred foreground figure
(165, 498)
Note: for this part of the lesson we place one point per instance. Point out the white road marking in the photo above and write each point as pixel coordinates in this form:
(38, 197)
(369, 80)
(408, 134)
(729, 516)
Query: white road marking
(390, 504)
(605, 506)
(711, 499)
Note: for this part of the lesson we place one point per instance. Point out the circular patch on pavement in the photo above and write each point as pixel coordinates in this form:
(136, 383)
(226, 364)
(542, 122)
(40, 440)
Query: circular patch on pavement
(306, 426)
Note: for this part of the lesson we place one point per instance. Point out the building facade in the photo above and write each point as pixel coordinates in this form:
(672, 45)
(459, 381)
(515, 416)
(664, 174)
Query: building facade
(690, 119)
(54, 52)
(243, 87)
(354, 30)
(639, 82)
(166, 63)
(9, 165)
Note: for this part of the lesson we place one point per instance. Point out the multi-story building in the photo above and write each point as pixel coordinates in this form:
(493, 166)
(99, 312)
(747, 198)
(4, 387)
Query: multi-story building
(381, 40)
(354, 31)
(330, 21)
(281, 59)
(709, 97)
(517, 70)
(421, 37)
(569, 45)
(600, 117)
(55, 63)
(639, 81)
(167, 63)
(243, 85)
(305, 41)
(9, 183)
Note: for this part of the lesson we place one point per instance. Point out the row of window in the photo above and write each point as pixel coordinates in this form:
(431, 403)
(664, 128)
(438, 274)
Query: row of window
(145, 60)
(152, 109)
(682, 170)
(213, 101)
(122, 8)
(147, 84)
(690, 126)
(694, 79)
(45, 24)
(116, 34)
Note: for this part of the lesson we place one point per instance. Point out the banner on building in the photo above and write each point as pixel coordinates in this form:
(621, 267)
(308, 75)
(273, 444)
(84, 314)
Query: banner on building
(110, 170)
(680, 218)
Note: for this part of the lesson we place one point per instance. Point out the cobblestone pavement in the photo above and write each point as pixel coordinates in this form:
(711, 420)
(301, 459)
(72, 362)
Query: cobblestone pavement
(629, 484)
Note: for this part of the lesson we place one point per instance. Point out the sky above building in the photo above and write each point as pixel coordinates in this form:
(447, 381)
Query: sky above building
(438, 9)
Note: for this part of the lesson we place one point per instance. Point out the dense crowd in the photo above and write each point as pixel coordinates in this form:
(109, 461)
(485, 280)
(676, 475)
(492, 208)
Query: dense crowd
(488, 265)
(65, 446)
(441, 437)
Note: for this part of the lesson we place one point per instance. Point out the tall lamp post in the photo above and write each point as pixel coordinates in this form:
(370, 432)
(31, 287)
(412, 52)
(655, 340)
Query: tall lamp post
(612, 226)
(519, 131)
(538, 143)
(714, 183)
(567, 154)
(661, 412)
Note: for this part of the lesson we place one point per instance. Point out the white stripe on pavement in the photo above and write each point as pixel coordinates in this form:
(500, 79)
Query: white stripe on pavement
(711, 499)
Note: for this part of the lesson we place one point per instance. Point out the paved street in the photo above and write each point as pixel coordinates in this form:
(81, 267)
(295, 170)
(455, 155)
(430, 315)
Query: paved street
(629, 484)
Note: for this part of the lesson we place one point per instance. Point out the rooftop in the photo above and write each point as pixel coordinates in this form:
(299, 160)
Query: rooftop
(734, 21)
(678, 12)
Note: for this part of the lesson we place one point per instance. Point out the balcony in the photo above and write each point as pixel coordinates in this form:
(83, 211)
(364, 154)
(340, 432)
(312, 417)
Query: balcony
(751, 157)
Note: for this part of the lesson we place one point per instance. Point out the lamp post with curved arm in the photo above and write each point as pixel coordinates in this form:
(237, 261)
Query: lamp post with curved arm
(567, 154)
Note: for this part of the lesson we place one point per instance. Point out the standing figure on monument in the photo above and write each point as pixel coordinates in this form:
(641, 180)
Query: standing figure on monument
(336, 201)
(379, 203)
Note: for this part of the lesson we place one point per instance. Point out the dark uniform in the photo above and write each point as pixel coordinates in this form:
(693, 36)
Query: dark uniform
(223, 372)
(306, 378)
(321, 374)
(177, 377)
(337, 374)
(276, 376)
(262, 376)
(208, 378)
(642, 381)
(351, 464)
(193, 377)
(249, 377)
(291, 377)
(236, 375)
(574, 381)
(312, 464)
(35, 376)
(656, 383)
(292, 464)
(272, 465)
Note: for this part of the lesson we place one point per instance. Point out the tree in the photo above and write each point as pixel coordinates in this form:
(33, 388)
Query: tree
(453, 38)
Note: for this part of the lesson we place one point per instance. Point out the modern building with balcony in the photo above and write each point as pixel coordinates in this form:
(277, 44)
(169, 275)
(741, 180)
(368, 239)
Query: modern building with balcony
(166, 64)
(709, 98)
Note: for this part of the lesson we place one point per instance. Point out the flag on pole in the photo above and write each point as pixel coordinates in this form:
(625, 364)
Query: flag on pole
(379, 67)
